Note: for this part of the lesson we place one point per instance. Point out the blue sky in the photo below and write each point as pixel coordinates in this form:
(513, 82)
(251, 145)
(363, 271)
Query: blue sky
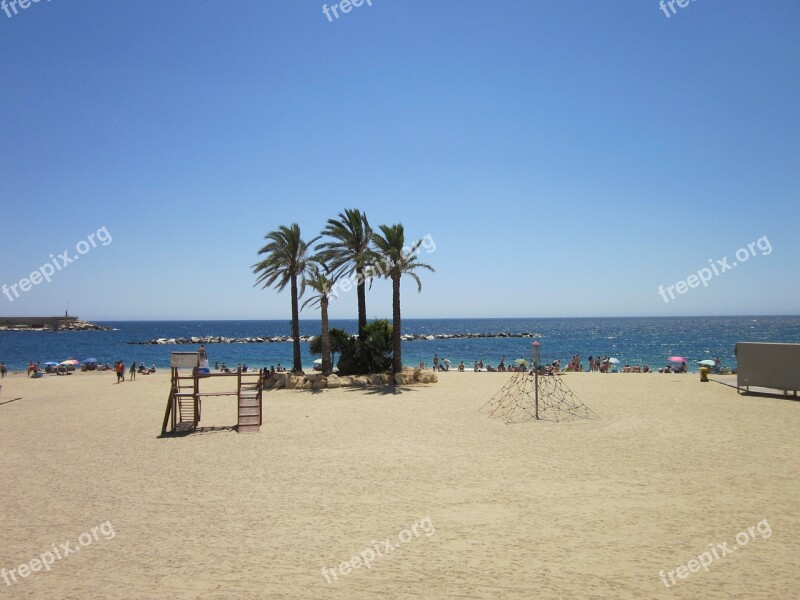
(568, 158)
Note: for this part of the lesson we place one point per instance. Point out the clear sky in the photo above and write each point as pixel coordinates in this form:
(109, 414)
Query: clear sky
(567, 157)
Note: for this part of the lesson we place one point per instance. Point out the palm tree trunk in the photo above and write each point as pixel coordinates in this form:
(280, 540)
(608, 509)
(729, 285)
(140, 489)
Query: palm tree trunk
(295, 327)
(361, 292)
(326, 342)
(397, 359)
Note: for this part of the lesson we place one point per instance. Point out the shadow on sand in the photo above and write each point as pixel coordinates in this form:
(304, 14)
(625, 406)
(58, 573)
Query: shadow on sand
(759, 392)
(199, 431)
(382, 390)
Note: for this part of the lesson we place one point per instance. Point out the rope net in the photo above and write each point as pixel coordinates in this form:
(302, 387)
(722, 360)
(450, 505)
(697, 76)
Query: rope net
(516, 401)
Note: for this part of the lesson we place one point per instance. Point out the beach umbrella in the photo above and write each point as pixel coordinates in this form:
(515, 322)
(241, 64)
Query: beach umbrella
(89, 361)
(521, 361)
(69, 361)
(613, 361)
(51, 363)
(707, 363)
(679, 359)
(318, 361)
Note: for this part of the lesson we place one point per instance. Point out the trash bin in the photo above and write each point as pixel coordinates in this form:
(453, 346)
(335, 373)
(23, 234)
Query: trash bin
(704, 374)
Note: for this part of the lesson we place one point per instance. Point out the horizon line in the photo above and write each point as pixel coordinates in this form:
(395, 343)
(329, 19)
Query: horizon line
(389, 318)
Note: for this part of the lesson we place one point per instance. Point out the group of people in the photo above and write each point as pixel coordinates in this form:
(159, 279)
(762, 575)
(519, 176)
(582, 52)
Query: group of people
(477, 366)
(442, 365)
(223, 368)
(595, 364)
(34, 369)
(606, 365)
(119, 369)
(520, 367)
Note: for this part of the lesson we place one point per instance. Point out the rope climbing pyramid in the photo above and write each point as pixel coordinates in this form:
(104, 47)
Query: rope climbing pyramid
(518, 401)
(529, 396)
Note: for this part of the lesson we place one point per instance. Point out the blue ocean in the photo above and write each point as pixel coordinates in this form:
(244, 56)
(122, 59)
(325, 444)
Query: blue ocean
(631, 340)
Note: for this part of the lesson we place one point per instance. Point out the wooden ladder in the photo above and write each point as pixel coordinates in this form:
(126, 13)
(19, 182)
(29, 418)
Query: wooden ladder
(187, 420)
(183, 404)
(249, 402)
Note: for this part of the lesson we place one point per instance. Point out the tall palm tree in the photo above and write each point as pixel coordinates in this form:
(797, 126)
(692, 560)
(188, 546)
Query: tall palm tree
(317, 280)
(286, 262)
(349, 252)
(389, 246)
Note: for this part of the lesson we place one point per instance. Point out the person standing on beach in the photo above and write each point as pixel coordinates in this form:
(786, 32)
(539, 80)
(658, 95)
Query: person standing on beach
(132, 372)
(435, 362)
(3, 370)
(203, 366)
(120, 369)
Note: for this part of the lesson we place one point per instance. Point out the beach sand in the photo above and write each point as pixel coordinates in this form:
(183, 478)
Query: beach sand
(583, 509)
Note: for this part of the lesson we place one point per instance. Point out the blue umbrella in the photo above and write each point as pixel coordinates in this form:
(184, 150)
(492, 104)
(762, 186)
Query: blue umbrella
(90, 360)
(51, 363)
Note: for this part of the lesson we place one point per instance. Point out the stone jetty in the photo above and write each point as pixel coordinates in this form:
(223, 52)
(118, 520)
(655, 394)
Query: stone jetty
(415, 337)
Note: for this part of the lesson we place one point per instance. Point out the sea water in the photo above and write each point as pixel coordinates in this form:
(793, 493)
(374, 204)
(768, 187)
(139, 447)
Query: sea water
(631, 340)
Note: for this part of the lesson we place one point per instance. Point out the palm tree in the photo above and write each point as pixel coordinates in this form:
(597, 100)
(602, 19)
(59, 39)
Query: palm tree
(286, 261)
(349, 252)
(317, 280)
(389, 245)
(338, 339)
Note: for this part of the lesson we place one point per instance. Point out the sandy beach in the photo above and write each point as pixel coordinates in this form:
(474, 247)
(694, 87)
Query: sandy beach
(472, 508)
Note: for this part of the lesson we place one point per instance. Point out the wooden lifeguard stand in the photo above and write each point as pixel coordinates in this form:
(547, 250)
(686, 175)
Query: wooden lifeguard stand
(184, 404)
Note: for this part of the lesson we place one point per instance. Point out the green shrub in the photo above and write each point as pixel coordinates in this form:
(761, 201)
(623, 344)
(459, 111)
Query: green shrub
(372, 355)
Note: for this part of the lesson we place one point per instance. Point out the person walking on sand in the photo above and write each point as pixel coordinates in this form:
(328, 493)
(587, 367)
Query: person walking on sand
(435, 362)
(3, 370)
(132, 372)
(120, 369)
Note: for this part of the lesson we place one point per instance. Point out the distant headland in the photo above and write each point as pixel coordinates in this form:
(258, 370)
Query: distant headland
(65, 323)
